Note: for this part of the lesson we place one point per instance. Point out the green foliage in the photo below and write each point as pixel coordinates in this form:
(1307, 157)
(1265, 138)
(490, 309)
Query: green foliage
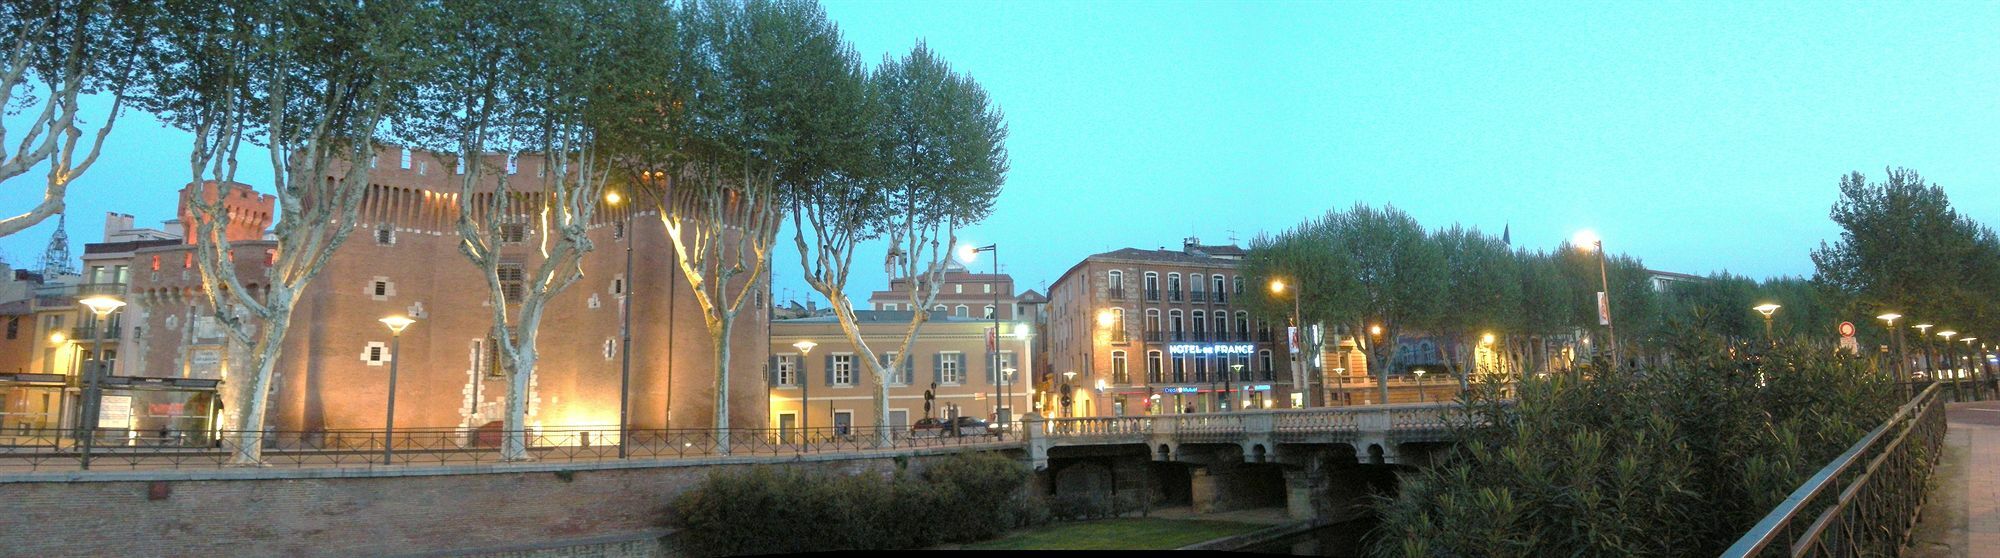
(1903, 249)
(962, 498)
(1679, 460)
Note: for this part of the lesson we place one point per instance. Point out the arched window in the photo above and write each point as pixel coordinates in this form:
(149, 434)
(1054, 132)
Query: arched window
(1152, 324)
(1115, 282)
(939, 308)
(1264, 362)
(960, 311)
(1119, 375)
(1242, 325)
(1180, 370)
(1153, 285)
(989, 311)
(1173, 287)
(1154, 373)
(1237, 281)
(1117, 325)
(1200, 322)
(1221, 325)
(1174, 323)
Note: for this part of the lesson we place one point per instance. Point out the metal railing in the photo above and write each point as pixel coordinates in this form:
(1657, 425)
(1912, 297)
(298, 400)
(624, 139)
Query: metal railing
(50, 449)
(1865, 502)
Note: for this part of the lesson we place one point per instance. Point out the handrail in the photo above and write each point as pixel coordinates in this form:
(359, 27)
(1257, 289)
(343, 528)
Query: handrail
(1922, 411)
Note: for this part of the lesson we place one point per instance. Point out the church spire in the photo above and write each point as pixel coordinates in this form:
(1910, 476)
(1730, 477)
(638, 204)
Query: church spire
(1507, 234)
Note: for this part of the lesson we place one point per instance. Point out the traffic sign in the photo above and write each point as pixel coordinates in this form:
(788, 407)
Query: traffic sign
(1846, 329)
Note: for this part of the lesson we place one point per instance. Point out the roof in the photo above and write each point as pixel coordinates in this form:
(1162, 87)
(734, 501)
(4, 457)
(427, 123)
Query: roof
(1030, 296)
(1161, 255)
(881, 317)
(127, 246)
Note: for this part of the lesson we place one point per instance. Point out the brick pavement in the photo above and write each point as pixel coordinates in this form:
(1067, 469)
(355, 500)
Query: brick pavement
(1962, 518)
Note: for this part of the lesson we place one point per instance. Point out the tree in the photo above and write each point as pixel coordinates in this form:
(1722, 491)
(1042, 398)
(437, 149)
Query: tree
(1401, 274)
(1321, 276)
(311, 81)
(64, 50)
(1547, 307)
(1903, 249)
(935, 161)
(556, 80)
(1480, 291)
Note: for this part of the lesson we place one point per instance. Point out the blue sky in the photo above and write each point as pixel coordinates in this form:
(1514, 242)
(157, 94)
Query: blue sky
(1697, 136)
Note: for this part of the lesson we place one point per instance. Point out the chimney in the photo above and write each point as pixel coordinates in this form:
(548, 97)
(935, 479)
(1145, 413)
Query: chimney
(1189, 243)
(115, 223)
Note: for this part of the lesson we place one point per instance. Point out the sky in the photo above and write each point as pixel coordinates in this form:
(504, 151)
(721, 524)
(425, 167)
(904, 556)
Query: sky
(1700, 137)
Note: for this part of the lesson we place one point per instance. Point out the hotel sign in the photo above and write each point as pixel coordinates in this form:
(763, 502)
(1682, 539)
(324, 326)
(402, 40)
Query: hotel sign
(1203, 349)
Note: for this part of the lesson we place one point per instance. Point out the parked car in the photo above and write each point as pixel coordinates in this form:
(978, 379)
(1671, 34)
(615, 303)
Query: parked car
(968, 426)
(929, 428)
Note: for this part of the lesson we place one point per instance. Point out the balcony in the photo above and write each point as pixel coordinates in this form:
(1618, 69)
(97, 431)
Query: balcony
(1221, 297)
(1115, 293)
(1173, 296)
(1152, 295)
(1177, 336)
(1155, 336)
(94, 289)
(1198, 336)
(1198, 296)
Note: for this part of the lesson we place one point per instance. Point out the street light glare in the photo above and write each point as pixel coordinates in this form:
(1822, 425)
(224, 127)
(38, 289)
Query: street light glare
(1105, 318)
(1587, 240)
(1890, 317)
(1277, 286)
(1020, 331)
(805, 346)
(102, 305)
(397, 323)
(1766, 309)
(1947, 334)
(967, 254)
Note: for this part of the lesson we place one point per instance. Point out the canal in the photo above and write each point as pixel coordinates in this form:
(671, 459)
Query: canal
(1340, 539)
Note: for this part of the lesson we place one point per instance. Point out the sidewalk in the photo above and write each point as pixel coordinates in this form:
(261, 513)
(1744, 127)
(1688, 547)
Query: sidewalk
(1962, 517)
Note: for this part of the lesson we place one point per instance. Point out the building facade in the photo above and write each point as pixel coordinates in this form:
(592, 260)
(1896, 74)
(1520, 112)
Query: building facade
(403, 258)
(829, 386)
(1138, 332)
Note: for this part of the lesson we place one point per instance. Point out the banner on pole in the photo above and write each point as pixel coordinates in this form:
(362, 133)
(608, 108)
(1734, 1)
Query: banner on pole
(1292, 335)
(1603, 309)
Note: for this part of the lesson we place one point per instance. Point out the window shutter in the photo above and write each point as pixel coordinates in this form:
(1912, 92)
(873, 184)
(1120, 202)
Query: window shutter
(992, 373)
(829, 369)
(909, 370)
(937, 368)
(799, 370)
(772, 371)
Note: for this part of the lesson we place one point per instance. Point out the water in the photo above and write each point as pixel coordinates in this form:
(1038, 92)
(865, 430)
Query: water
(1339, 539)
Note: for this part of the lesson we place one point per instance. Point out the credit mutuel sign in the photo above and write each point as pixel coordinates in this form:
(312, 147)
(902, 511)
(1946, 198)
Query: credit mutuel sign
(1204, 349)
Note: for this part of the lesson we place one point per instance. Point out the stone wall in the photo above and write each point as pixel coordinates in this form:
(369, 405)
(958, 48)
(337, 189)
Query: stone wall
(512, 511)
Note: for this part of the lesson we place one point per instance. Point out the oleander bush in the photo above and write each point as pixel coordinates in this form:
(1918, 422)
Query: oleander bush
(781, 510)
(1673, 460)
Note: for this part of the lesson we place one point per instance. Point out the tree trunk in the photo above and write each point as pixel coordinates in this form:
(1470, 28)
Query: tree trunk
(514, 441)
(721, 332)
(254, 397)
(882, 376)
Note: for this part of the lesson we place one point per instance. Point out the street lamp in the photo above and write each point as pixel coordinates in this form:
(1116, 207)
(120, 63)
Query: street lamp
(1902, 375)
(1304, 384)
(1068, 386)
(1588, 240)
(1948, 361)
(612, 198)
(967, 254)
(1420, 385)
(1228, 394)
(1767, 309)
(805, 347)
(93, 394)
(1970, 348)
(396, 325)
(1381, 378)
(1022, 332)
(1923, 332)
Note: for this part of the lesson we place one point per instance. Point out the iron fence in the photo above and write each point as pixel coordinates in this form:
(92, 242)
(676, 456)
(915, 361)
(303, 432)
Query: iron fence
(1865, 502)
(53, 450)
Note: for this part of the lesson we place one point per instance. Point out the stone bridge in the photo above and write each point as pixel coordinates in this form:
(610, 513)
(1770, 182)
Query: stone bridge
(1319, 463)
(1375, 432)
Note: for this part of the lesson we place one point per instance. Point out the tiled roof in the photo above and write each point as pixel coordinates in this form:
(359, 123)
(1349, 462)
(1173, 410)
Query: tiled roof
(880, 317)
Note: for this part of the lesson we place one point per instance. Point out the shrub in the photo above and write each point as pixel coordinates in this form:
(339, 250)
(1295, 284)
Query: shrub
(783, 510)
(1668, 461)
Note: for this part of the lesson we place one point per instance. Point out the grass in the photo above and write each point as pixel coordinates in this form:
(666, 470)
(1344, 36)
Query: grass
(1129, 533)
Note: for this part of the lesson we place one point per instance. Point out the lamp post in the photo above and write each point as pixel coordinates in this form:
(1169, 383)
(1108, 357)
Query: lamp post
(1006, 375)
(1930, 364)
(1067, 388)
(805, 347)
(1767, 309)
(1026, 335)
(1902, 375)
(1949, 363)
(613, 199)
(1588, 238)
(1381, 378)
(1304, 384)
(1228, 394)
(1972, 350)
(396, 325)
(1420, 385)
(93, 393)
(966, 255)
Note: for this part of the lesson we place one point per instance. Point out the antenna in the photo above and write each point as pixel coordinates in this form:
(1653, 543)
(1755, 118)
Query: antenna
(56, 260)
